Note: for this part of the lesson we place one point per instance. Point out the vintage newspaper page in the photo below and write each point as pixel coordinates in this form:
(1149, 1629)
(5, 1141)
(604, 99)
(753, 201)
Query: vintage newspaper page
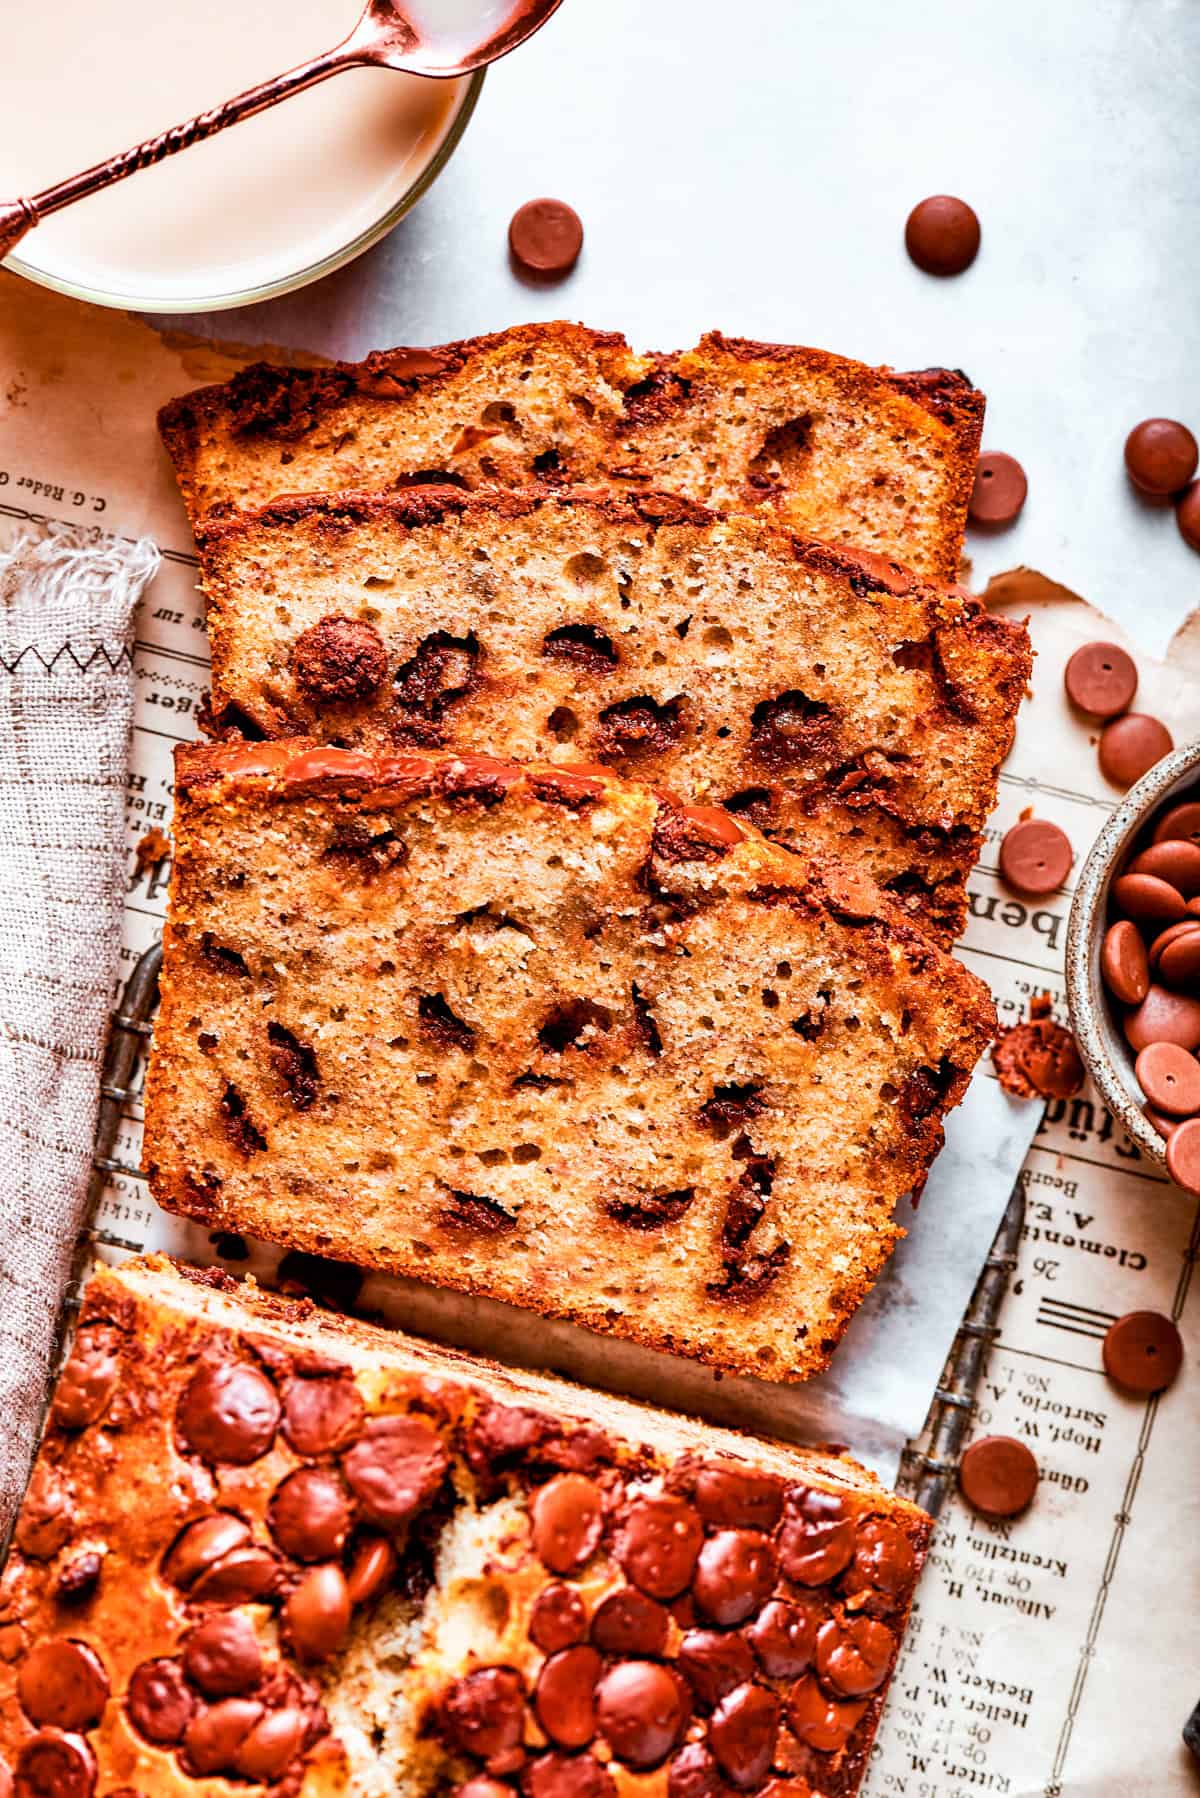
(1028, 1635)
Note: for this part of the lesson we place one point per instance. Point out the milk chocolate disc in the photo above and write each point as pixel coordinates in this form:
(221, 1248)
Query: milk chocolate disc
(545, 237)
(1143, 1352)
(999, 491)
(1101, 679)
(998, 1476)
(1160, 455)
(942, 235)
(1035, 857)
(1170, 1078)
(1183, 1155)
(1187, 515)
(1130, 746)
(1123, 964)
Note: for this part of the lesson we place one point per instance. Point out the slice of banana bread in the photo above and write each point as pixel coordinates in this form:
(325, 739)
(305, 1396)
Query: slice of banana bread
(545, 1035)
(843, 451)
(822, 693)
(268, 1549)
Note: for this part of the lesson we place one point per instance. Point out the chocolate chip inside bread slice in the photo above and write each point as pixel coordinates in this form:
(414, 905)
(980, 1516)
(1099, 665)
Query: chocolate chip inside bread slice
(547, 1036)
(266, 1549)
(841, 450)
(821, 693)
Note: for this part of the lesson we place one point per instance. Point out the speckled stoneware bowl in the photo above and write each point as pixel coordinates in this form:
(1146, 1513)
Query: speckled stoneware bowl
(1094, 1017)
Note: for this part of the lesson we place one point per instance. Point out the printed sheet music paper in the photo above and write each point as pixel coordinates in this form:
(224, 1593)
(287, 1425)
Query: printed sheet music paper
(1051, 1655)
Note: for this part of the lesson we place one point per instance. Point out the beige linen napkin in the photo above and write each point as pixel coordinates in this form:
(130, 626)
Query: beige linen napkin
(66, 699)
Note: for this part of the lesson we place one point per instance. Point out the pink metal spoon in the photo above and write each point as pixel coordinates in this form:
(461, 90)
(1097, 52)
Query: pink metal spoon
(384, 38)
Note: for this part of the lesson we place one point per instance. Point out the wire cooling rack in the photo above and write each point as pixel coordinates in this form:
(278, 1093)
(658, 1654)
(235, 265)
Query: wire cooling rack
(930, 1463)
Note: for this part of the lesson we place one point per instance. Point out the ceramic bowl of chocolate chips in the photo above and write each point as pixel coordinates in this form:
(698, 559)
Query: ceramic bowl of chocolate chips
(1133, 964)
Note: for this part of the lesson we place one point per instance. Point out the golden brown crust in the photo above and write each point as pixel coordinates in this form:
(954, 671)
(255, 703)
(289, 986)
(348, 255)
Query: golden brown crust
(841, 450)
(610, 610)
(410, 1000)
(267, 1547)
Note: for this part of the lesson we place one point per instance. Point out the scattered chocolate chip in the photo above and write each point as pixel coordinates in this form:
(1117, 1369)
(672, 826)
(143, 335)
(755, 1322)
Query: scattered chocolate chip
(854, 1654)
(86, 1382)
(745, 1500)
(1170, 1078)
(784, 1635)
(221, 1656)
(565, 1696)
(200, 1544)
(1038, 1059)
(640, 1711)
(1130, 746)
(372, 1569)
(239, 1577)
(229, 1412)
(317, 1613)
(629, 1623)
(999, 491)
(658, 1544)
(545, 238)
(567, 1517)
(714, 1663)
(54, 1764)
(158, 1701)
(1143, 1352)
(942, 235)
(271, 1745)
(743, 1733)
(1183, 1155)
(215, 1735)
(1163, 1017)
(998, 1476)
(78, 1579)
(1160, 455)
(338, 660)
(884, 1562)
(1101, 679)
(395, 1468)
(819, 1721)
(735, 1574)
(310, 1515)
(483, 1713)
(47, 1517)
(1035, 857)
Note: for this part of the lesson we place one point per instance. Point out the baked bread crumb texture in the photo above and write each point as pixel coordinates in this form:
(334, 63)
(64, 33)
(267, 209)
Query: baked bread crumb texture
(344, 1562)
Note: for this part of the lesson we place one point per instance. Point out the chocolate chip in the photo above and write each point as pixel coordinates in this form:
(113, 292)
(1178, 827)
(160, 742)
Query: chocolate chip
(159, 1704)
(726, 1495)
(1160, 455)
(443, 670)
(1123, 964)
(239, 1577)
(1101, 679)
(1130, 746)
(309, 1515)
(1181, 821)
(640, 726)
(63, 1682)
(372, 1570)
(999, 491)
(734, 1575)
(1187, 515)
(568, 1776)
(817, 1540)
(395, 1468)
(1173, 932)
(1148, 900)
(214, 1737)
(52, 1764)
(221, 1656)
(1170, 1078)
(238, 1125)
(484, 1712)
(483, 1787)
(743, 1733)
(854, 1654)
(791, 728)
(1035, 857)
(558, 1618)
(942, 235)
(1183, 1155)
(819, 1721)
(86, 1382)
(714, 1663)
(640, 1711)
(545, 238)
(784, 1635)
(1163, 1017)
(1174, 860)
(296, 1064)
(629, 1623)
(658, 1544)
(317, 1613)
(583, 645)
(271, 1745)
(884, 1561)
(338, 660)
(564, 1697)
(229, 1412)
(78, 1579)
(47, 1517)
(998, 1476)
(1143, 1352)
(1179, 962)
(321, 1416)
(695, 1774)
(567, 1519)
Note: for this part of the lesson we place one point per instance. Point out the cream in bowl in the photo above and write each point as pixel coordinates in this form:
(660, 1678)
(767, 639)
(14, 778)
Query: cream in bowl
(283, 197)
(1133, 964)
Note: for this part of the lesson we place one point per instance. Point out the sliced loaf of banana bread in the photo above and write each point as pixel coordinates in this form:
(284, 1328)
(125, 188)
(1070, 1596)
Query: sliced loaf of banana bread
(545, 1035)
(840, 450)
(270, 1550)
(820, 692)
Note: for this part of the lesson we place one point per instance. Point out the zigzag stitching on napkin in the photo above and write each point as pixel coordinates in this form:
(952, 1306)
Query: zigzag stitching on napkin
(100, 652)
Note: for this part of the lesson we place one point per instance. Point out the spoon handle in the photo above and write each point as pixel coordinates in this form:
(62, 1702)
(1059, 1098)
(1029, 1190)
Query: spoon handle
(19, 216)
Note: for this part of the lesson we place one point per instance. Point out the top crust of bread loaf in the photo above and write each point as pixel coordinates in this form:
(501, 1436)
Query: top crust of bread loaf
(870, 456)
(538, 1033)
(802, 683)
(270, 1548)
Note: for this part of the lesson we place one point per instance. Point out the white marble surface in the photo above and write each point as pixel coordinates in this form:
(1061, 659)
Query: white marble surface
(751, 167)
